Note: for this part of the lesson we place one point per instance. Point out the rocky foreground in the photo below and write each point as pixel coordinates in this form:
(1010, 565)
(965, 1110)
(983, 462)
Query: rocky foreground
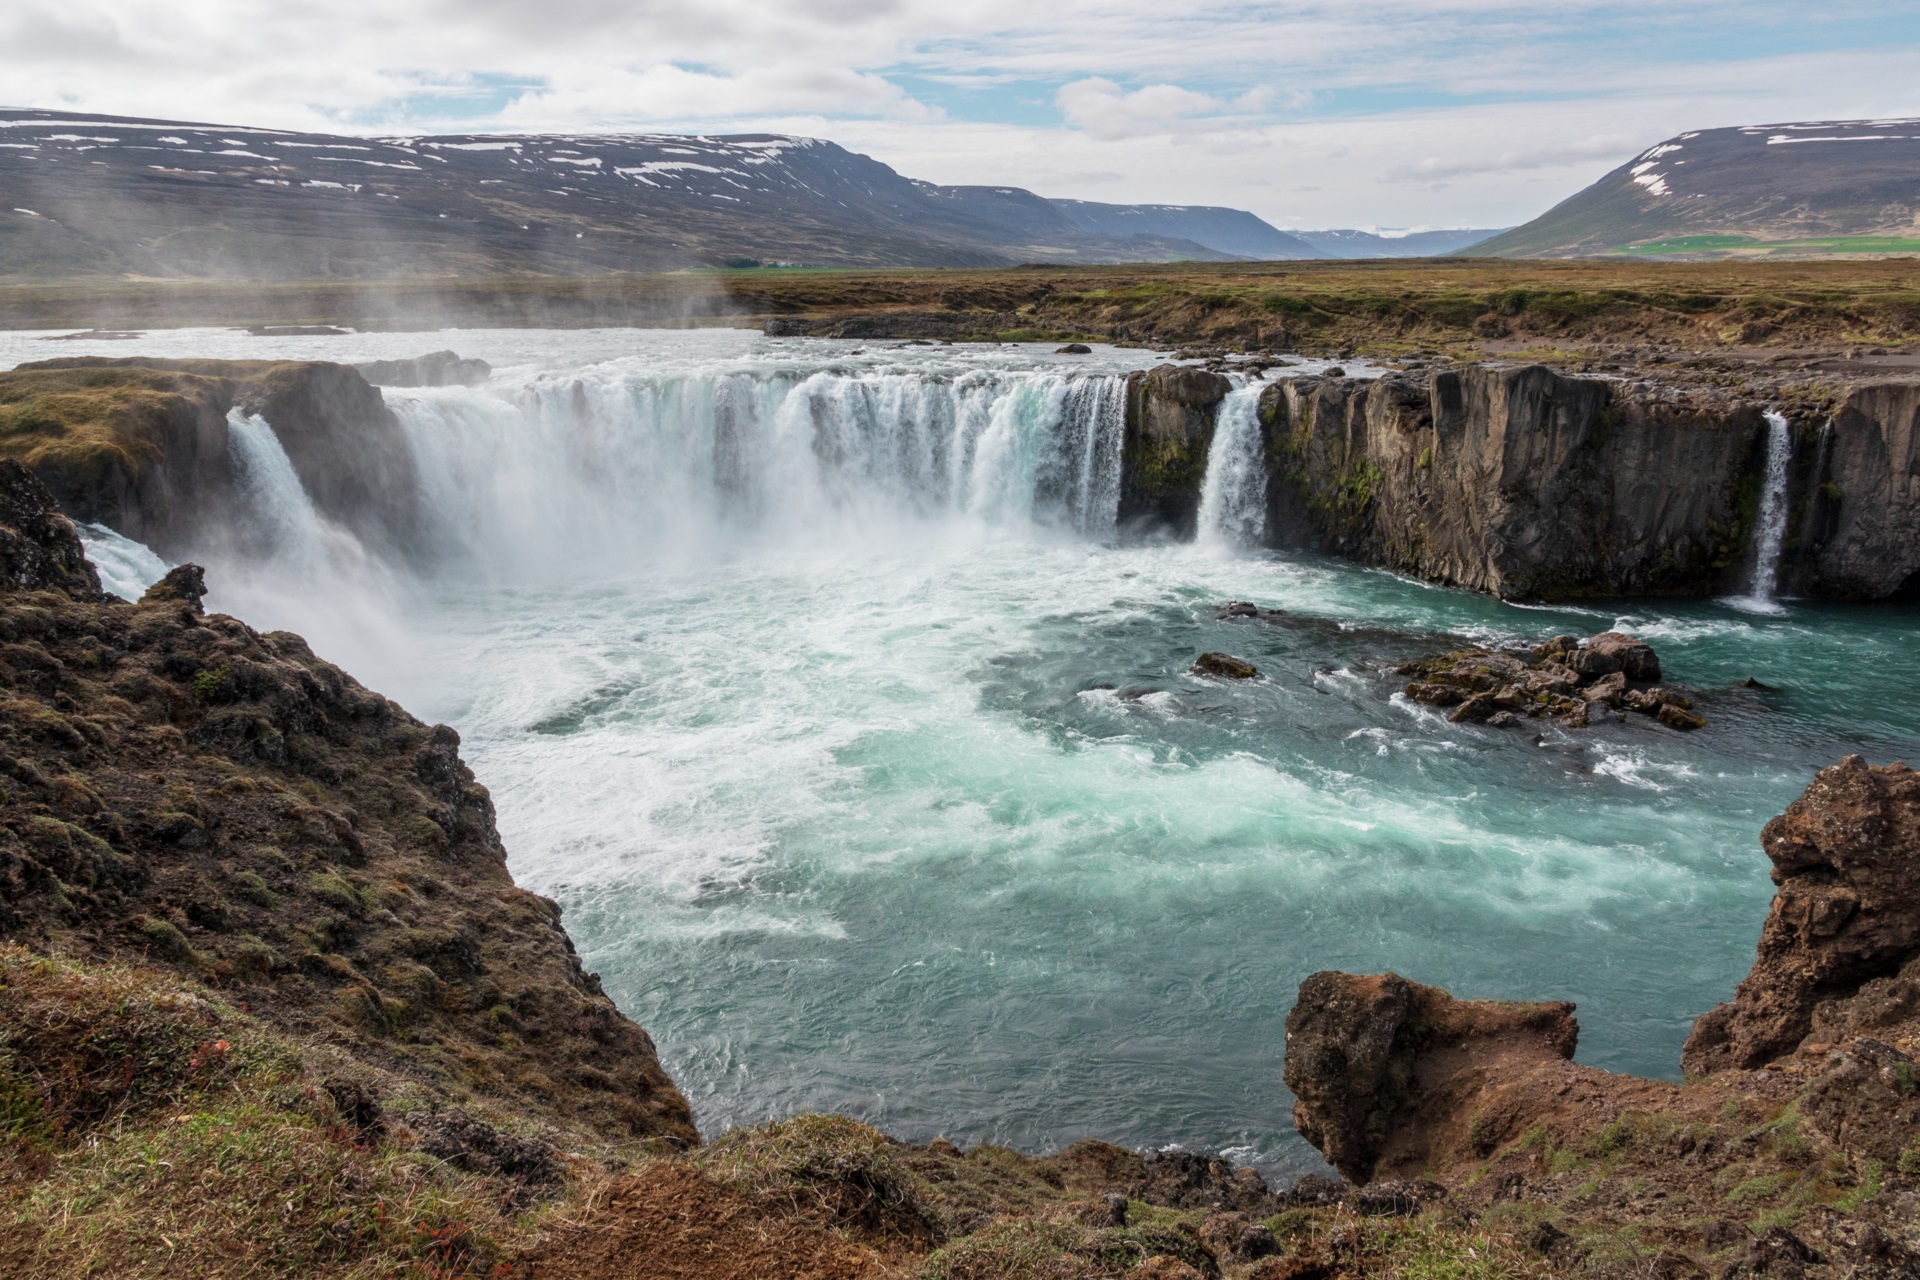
(1793, 1148)
(270, 1005)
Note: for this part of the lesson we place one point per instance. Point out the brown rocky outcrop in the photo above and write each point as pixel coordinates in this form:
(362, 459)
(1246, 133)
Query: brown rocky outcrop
(1805, 1096)
(1170, 416)
(1580, 684)
(1844, 927)
(179, 790)
(39, 549)
(1388, 1075)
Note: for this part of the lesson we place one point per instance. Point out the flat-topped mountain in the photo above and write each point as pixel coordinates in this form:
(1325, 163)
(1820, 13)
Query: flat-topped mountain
(1805, 190)
(1350, 243)
(94, 195)
(1233, 231)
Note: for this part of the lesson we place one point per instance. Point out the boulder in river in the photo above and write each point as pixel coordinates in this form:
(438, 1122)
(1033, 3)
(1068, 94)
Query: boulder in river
(1225, 666)
(1579, 684)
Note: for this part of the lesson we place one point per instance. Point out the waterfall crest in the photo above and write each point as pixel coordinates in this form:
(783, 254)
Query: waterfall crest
(610, 459)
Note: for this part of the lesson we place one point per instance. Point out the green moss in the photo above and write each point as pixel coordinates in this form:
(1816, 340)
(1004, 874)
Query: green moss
(336, 893)
(1873, 1177)
(250, 886)
(213, 685)
(164, 940)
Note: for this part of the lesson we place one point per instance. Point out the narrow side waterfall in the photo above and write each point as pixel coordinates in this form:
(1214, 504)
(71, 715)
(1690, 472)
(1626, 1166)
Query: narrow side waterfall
(274, 503)
(1770, 531)
(1233, 496)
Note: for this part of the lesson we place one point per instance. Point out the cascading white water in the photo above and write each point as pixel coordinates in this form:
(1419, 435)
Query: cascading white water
(1233, 497)
(273, 501)
(1770, 531)
(127, 568)
(623, 462)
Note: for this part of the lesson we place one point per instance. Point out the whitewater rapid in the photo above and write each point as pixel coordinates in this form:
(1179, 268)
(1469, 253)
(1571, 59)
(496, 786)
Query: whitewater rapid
(812, 680)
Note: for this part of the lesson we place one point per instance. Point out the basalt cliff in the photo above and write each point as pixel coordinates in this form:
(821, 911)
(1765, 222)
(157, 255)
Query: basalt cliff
(1513, 479)
(1536, 484)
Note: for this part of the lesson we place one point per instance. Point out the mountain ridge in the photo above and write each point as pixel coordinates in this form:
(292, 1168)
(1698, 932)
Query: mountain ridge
(1799, 189)
(95, 195)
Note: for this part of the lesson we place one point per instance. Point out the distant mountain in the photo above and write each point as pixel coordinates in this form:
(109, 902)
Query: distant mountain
(93, 195)
(1230, 231)
(1411, 244)
(1804, 190)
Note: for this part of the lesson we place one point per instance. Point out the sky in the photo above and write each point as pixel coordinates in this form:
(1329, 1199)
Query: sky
(1402, 113)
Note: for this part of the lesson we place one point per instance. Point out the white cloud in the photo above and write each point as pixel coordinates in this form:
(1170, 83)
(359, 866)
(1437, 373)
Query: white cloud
(1105, 110)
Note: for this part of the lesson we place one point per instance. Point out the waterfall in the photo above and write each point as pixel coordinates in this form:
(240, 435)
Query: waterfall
(1233, 496)
(617, 462)
(274, 503)
(1770, 530)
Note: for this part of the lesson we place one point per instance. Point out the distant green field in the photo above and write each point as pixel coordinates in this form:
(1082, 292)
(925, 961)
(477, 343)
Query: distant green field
(1725, 244)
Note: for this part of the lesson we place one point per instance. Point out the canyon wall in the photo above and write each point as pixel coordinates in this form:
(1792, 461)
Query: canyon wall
(1521, 482)
(1856, 527)
(1532, 484)
(142, 445)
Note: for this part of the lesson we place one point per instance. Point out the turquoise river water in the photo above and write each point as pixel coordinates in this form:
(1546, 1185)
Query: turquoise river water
(813, 682)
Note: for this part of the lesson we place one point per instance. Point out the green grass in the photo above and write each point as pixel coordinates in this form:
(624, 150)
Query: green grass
(1810, 245)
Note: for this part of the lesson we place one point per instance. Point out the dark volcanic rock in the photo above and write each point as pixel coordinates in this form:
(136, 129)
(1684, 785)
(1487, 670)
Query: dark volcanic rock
(1846, 858)
(1524, 482)
(1170, 415)
(1579, 685)
(1224, 665)
(440, 369)
(39, 548)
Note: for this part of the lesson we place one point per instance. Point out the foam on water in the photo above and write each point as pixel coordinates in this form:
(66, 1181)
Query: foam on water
(871, 775)
(127, 568)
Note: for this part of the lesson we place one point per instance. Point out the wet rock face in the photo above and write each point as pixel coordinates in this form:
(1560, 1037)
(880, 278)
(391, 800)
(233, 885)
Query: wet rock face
(39, 548)
(1379, 1065)
(1170, 417)
(1857, 518)
(1844, 927)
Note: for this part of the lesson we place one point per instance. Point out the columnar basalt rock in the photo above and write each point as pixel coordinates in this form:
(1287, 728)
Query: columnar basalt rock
(1856, 531)
(1170, 417)
(1521, 481)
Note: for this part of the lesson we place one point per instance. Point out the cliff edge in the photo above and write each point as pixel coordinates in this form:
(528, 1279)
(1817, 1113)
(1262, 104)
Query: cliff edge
(179, 790)
(1793, 1148)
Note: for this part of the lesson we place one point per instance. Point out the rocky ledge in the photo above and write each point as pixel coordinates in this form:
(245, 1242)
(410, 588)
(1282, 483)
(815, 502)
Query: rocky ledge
(1793, 1149)
(181, 791)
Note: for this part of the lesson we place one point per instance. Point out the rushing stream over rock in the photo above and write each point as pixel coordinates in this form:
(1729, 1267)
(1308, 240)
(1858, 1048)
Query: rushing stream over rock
(869, 768)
